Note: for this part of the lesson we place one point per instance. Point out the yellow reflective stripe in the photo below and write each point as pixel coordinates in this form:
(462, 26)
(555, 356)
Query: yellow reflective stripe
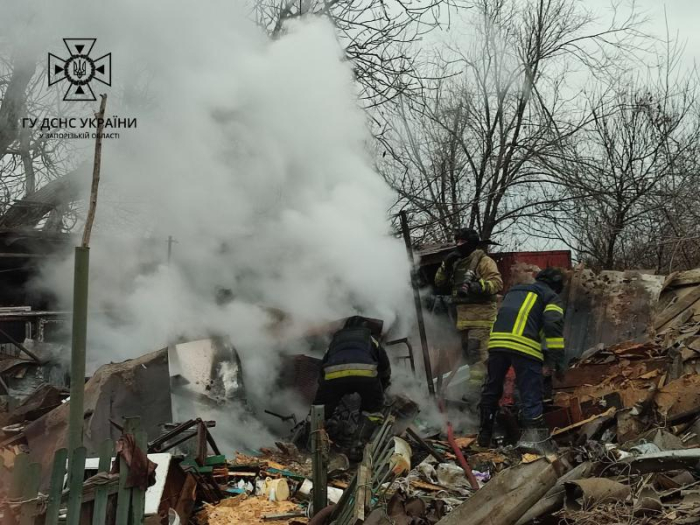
(524, 312)
(554, 308)
(347, 373)
(555, 342)
(509, 345)
(461, 325)
(350, 366)
(521, 339)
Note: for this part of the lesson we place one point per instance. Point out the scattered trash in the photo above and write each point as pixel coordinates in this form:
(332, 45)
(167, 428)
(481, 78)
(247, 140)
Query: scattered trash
(625, 418)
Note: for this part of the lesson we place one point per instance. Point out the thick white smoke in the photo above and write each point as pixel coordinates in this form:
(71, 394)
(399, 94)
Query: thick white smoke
(251, 153)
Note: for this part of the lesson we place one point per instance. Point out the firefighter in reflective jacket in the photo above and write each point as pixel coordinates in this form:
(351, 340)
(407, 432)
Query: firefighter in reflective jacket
(355, 362)
(475, 281)
(530, 316)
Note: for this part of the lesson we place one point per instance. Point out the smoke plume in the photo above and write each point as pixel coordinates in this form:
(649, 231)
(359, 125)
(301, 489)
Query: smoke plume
(251, 153)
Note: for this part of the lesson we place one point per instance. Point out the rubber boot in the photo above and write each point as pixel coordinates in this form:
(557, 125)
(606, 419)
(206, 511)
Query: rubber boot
(535, 437)
(488, 420)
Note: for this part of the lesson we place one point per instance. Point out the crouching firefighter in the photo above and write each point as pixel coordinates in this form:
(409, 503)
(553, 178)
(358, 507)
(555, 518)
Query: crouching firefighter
(355, 362)
(474, 282)
(530, 316)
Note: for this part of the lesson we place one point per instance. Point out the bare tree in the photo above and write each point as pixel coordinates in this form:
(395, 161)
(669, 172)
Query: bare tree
(28, 159)
(631, 175)
(468, 152)
(381, 38)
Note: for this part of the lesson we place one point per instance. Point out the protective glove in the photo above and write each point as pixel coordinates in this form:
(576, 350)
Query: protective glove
(477, 287)
(463, 290)
(450, 260)
(549, 361)
(559, 359)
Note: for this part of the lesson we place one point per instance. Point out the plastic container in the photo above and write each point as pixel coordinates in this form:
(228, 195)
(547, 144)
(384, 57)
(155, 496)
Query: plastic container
(401, 458)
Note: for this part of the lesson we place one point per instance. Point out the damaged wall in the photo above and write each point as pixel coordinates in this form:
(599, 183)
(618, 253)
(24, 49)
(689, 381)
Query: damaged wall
(138, 387)
(608, 308)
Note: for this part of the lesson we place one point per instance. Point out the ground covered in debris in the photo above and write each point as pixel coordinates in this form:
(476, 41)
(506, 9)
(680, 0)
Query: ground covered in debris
(625, 419)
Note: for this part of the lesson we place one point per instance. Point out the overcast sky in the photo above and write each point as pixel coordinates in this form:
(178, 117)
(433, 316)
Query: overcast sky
(683, 18)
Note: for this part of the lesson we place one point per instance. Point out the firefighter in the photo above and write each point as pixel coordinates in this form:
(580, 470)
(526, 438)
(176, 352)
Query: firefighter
(355, 362)
(528, 314)
(475, 281)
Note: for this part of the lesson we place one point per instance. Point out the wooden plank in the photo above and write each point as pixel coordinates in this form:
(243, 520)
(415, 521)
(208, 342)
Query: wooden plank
(588, 374)
(28, 509)
(124, 494)
(138, 496)
(671, 312)
(609, 412)
(507, 496)
(20, 472)
(214, 460)
(99, 512)
(185, 502)
(363, 479)
(201, 443)
(76, 474)
(318, 459)
(422, 485)
(58, 475)
(368, 492)
(678, 279)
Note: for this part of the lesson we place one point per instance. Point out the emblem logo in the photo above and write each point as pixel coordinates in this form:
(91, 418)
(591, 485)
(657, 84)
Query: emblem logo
(79, 69)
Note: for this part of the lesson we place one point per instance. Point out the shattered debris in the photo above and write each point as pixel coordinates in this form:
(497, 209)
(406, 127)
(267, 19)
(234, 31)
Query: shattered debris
(247, 510)
(625, 417)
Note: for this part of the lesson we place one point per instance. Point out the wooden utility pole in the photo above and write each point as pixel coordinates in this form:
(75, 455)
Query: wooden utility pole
(171, 241)
(80, 306)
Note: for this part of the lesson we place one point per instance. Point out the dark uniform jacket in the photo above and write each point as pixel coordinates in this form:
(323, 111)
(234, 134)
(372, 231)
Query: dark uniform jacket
(531, 315)
(353, 352)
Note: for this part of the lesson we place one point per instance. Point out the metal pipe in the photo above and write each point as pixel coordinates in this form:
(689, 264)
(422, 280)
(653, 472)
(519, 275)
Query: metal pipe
(379, 438)
(79, 343)
(419, 306)
(321, 516)
(385, 449)
(410, 351)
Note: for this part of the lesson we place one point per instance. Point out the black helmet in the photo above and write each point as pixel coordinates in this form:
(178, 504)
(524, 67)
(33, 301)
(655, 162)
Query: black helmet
(553, 277)
(467, 235)
(357, 321)
(467, 240)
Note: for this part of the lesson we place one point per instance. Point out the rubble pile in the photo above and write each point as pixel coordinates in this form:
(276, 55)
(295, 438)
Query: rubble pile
(625, 419)
(639, 385)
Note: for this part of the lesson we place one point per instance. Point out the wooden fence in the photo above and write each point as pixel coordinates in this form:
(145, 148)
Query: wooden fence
(71, 504)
